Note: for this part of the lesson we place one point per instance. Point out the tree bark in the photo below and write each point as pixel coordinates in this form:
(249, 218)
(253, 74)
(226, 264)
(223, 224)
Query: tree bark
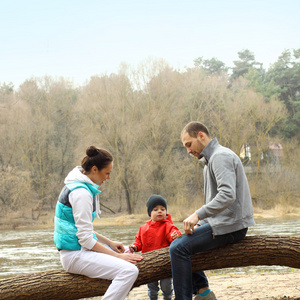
(251, 251)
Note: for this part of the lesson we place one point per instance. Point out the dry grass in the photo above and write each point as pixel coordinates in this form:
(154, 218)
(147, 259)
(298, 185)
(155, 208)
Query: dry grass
(284, 206)
(178, 215)
(279, 211)
(276, 190)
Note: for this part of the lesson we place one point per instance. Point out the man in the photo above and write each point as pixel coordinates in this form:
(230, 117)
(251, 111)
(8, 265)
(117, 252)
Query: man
(224, 218)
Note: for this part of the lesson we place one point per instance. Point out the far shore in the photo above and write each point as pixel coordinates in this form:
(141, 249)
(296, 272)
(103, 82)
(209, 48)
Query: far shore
(278, 212)
(47, 220)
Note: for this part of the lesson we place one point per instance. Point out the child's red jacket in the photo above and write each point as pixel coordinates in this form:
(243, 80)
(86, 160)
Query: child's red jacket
(155, 235)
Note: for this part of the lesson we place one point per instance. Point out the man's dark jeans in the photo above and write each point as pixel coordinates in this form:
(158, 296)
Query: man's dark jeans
(202, 239)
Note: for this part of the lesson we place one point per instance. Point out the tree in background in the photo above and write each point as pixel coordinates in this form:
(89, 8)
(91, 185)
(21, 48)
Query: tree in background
(162, 118)
(16, 190)
(138, 115)
(258, 81)
(46, 135)
(247, 61)
(112, 119)
(235, 123)
(285, 73)
(203, 100)
(263, 116)
(8, 110)
(211, 66)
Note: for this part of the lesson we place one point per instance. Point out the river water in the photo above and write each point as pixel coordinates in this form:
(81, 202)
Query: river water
(32, 250)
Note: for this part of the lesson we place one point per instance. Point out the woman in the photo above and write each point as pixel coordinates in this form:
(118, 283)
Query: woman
(82, 250)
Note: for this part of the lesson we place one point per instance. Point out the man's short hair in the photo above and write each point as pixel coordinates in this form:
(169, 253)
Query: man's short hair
(193, 128)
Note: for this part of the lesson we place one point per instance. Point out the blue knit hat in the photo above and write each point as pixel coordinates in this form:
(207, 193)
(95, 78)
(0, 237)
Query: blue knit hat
(153, 201)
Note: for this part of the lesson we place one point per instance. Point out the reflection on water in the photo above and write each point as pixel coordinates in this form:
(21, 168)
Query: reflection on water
(28, 251)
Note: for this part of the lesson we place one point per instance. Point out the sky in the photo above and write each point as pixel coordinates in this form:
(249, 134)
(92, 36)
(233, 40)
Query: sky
(77, 39)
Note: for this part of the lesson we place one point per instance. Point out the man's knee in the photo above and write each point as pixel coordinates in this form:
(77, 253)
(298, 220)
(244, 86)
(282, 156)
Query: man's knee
(172, 248)
(175, 247)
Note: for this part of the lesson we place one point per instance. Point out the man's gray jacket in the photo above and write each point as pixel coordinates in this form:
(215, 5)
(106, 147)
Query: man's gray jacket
(228, 204)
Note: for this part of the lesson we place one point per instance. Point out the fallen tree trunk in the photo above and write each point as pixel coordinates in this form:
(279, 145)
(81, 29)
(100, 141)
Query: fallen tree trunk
(251, 251)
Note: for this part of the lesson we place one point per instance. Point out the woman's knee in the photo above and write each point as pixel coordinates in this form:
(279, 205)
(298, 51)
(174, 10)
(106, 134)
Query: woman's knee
(133, 271)
(136, 271)
(128, 273)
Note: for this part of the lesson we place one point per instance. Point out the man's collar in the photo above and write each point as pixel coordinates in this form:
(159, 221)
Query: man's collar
(209, 149)
(203, 160)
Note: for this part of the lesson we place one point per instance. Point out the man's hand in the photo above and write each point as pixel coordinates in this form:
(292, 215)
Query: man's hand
(189, 223)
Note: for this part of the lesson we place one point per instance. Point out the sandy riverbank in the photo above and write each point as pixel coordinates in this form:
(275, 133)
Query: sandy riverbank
(257, 286)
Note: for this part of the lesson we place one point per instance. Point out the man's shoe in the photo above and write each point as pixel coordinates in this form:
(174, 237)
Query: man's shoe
(210, 296)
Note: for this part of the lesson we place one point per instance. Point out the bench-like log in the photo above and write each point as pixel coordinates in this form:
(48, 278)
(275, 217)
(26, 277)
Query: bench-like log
(251, 251)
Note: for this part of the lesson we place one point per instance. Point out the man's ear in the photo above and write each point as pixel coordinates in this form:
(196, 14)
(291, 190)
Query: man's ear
(201, 136)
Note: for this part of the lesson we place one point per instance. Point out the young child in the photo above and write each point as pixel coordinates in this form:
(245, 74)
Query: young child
(158, 232)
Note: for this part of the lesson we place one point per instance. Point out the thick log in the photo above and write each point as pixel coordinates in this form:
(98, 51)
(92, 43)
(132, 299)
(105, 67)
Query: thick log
(251, 251)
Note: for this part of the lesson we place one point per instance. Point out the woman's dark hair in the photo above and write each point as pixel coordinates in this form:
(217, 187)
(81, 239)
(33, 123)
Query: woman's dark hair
(98, 157)
(193, 128)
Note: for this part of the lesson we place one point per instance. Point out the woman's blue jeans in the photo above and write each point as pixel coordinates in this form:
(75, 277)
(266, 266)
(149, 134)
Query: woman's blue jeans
(185, 282)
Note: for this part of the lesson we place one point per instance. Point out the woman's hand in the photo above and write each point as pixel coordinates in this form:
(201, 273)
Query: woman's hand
(132, 258)
(117, 247)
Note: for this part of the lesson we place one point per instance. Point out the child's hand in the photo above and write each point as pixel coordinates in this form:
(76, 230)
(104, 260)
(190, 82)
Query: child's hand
(174, 235)
(133, 248)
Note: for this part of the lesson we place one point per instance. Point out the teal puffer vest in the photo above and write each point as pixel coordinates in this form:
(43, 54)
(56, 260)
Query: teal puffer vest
(64, 224)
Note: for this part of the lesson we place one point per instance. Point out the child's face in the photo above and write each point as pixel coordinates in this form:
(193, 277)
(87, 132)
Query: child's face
(158, 213)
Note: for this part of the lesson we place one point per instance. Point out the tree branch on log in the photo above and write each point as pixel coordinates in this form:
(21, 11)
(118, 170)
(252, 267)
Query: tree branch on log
(251, 251)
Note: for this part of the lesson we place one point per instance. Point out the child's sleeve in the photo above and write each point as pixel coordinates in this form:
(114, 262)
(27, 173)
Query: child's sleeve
(138, 241)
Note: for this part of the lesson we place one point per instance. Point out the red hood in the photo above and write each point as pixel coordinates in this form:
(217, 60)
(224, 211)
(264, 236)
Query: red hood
(167, 219)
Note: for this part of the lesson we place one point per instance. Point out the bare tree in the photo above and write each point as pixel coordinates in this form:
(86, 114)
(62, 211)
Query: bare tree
(112, 120)
(9, 109)
(162, 124)
(47, 137)
(263, 116)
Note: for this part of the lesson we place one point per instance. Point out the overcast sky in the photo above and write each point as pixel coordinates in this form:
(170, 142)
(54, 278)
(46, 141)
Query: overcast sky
(77, 39)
